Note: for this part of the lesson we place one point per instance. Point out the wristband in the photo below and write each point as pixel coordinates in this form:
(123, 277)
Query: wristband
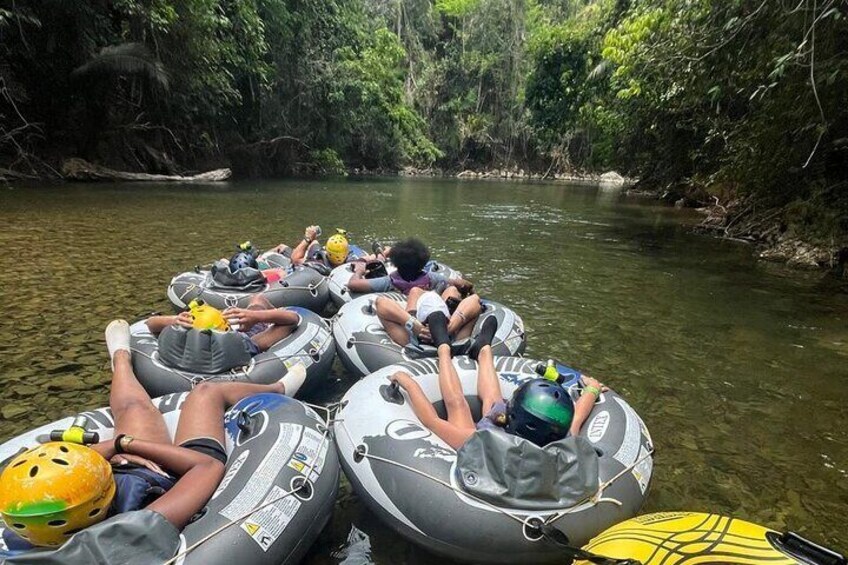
(591, 390)
(120, 448)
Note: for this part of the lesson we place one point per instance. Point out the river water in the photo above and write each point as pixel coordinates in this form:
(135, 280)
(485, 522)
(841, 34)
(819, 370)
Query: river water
(739, 368)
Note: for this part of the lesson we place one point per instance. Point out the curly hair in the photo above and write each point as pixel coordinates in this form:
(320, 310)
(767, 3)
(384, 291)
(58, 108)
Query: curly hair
(409, 256)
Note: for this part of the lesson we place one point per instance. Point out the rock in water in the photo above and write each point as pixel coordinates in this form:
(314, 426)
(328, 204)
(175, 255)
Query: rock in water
(612, 178)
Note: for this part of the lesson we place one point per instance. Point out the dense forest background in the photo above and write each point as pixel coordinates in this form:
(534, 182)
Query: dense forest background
(738, 102)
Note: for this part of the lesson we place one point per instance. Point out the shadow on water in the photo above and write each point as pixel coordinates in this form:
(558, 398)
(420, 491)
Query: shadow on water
(737, 366)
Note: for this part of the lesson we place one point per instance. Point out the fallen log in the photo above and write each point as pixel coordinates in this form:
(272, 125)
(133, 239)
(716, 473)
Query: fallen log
(81, 170)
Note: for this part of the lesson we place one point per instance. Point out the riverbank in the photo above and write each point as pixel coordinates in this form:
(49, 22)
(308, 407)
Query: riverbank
(772, 236)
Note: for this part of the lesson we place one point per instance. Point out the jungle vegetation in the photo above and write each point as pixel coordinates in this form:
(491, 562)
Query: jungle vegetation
(709, 100)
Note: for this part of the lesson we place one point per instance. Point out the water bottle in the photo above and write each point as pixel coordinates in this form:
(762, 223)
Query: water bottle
(76, 433)
(549, 371)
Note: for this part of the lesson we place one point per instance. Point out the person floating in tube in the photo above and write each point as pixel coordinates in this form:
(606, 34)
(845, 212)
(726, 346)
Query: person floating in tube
(260, 325)
(425, 293)
(539, 410)
(337, 251)
(56, 489)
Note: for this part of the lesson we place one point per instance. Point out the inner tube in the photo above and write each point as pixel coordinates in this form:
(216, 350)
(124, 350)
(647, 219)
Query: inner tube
(339, 277)
(275, 445)
(674, 538)
(304, 286)
(364, 346)
(408, 476)
(311, 344)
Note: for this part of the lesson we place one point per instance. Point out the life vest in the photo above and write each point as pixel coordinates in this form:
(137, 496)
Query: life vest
(403, 285)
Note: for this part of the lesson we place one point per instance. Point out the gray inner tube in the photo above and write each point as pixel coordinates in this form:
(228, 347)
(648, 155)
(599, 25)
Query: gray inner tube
(304, 287)
(364, 346)
(400, 469)
(311, 344)
(278, 448)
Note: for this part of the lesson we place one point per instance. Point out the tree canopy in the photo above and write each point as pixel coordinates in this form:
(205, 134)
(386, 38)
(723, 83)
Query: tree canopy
(731, 97)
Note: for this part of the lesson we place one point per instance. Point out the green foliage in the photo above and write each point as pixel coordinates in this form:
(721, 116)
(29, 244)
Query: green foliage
(457, 8)
(738, 93)
(328, 162)
(377, 122)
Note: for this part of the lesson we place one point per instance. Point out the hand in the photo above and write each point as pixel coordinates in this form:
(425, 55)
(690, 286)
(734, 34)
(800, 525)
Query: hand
(424, 335)
(126, 458)
(400, 378)
(311, 233)
(467, 289)
(589, 381)
(184, 320)
(242, 317)
(359, 268)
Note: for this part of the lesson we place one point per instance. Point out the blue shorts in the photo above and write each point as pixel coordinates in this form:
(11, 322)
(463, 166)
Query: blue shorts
(489, 421)
(250, 345)
(247, 336)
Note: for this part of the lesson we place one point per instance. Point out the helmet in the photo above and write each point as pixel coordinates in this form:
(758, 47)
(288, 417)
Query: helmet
(50, 492)
(242, 260)
(540, 411)
(337, 249)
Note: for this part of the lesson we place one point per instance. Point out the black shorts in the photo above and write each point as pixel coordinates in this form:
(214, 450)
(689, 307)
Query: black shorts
(207, 446)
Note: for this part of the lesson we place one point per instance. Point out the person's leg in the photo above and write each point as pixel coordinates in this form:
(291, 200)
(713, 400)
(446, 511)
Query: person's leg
(449, 432)
(132, 409)
(266, 339)
(459, 413)
(462, 321)
(395, 320)
(451, 292)
(203, 411)
(484, 338)
(412, 299)
(488, 383)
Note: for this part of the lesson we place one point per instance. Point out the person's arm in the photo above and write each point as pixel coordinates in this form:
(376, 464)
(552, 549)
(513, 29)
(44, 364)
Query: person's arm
(358, 283)
(246, 318)
(591, 390)
(464, 286)
(299, 253)
(158, 323)
(439, 282)
(199, 476)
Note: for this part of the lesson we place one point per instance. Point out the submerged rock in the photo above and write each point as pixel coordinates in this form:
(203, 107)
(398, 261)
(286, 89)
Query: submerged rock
(11, 411)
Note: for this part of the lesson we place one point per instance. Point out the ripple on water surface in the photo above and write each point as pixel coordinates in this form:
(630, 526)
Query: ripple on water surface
(737, 367)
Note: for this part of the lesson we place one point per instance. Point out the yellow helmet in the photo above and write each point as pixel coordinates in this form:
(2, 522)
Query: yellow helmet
(52, 491)
(337, 249)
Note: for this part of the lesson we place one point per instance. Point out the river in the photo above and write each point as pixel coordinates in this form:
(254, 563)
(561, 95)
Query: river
(738, 367)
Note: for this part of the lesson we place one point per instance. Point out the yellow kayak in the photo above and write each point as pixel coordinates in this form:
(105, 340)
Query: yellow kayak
(676, 538)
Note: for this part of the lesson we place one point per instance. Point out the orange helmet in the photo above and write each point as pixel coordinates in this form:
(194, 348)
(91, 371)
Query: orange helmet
(52, 491)
(337, 249)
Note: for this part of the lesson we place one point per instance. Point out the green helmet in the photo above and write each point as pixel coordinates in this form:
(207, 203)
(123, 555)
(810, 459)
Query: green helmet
(540, 411)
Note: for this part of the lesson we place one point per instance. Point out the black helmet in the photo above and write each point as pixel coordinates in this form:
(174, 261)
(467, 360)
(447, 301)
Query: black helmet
(540, 411)
(242, 260)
